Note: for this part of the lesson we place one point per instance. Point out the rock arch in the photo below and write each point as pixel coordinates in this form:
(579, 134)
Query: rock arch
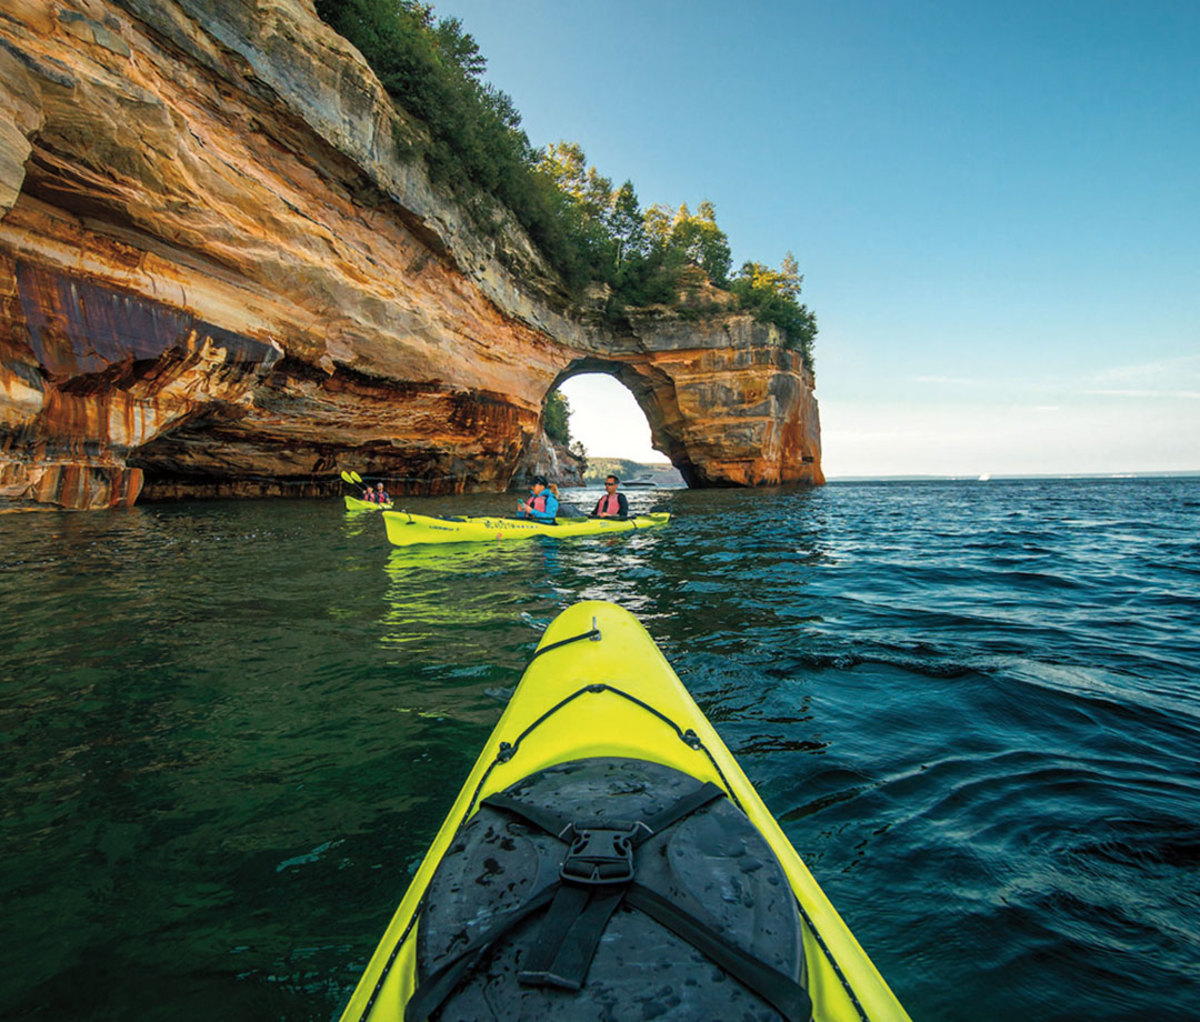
(725, 410)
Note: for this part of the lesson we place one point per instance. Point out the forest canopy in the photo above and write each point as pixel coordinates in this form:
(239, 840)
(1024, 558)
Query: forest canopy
(590, 230)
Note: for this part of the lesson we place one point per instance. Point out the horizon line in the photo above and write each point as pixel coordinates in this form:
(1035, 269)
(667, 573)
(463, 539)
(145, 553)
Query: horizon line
(996, 477)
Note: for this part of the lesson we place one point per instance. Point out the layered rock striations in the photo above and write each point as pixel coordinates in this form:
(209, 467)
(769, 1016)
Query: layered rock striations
(220, 275)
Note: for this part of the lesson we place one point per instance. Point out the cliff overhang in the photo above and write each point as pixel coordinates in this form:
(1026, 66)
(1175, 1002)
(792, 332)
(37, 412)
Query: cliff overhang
(220, 275)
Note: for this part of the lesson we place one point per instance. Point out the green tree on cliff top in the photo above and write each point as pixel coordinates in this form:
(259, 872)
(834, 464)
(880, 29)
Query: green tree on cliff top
(588, 230)
(774, 297)
(702, 242)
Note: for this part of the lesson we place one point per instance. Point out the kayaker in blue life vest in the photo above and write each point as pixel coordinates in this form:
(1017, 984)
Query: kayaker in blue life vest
(612, 504)
(542, 504)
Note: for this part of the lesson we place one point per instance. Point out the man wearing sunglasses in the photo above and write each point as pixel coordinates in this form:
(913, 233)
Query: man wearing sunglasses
(612, 504)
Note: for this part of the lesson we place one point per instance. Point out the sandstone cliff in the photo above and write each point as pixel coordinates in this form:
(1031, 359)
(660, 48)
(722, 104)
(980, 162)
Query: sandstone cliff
(220, 276)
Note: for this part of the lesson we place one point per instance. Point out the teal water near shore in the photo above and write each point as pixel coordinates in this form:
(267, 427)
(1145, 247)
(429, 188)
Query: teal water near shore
(230, 730)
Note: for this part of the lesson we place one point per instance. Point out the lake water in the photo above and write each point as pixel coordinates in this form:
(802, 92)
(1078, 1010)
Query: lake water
(231, 729)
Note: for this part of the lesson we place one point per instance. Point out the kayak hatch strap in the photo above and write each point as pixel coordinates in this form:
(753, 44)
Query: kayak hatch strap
(592, 633)
(580, 908)
(595, 876)
(561, 827)
(507, 750)
(561, 957)
(550, 822)
(782, 992)
(440, 983)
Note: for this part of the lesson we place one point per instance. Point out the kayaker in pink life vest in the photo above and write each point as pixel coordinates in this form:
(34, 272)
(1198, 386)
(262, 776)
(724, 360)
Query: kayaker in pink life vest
(612, 504)
(381, 495)
(542, 504)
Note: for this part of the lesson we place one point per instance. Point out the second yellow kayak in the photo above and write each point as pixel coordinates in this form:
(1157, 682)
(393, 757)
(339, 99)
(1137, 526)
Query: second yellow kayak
(355, 504)
(405, 528)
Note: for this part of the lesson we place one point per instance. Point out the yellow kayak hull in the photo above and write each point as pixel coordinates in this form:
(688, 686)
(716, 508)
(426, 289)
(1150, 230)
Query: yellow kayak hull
(407, 529)
(611, 693)
(354, 504)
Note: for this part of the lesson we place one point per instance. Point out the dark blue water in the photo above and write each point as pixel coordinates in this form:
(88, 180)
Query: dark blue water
(231, 729)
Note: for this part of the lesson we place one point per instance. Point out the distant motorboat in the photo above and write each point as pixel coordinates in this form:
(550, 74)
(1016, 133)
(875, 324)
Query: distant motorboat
(985, 477)
(633, 484)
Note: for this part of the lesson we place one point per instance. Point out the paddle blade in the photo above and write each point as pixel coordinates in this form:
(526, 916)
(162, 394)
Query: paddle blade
(346, 477)
(355, 477)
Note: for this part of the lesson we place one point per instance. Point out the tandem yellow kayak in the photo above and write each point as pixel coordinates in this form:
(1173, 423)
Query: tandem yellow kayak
(405, 528)
(354, 504)
(607, 858)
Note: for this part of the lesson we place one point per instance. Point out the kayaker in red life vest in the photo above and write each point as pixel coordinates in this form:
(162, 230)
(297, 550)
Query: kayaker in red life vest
(381, 495)
(369, 495)
(612, 504)
(542, 504)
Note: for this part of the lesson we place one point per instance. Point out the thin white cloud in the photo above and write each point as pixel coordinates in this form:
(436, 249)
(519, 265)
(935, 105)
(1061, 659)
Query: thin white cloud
(1156, 375)
(956, 381)
(1184, 395)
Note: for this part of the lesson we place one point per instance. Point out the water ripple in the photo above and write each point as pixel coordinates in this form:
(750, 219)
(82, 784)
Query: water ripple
(231, 730)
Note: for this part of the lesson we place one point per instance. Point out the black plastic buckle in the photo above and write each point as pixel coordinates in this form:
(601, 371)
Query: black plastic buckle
(600, 855)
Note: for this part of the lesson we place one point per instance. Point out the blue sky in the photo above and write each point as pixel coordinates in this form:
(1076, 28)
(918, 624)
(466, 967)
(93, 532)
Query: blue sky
(995, 206)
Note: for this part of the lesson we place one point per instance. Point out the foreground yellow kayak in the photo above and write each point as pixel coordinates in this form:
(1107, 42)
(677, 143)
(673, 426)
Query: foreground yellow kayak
(607, 858)
(405, 529)
(354, 504)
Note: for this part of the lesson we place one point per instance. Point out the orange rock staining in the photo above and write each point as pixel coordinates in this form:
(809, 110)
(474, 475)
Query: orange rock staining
(218, 278)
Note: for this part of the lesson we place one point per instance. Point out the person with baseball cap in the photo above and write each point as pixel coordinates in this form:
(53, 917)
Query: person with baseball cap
(542, 504)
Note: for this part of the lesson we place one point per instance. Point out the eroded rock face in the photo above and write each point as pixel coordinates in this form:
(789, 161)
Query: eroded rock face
(219, 276)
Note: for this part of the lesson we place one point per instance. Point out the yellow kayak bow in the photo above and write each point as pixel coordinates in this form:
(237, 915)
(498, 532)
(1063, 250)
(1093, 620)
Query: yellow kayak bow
(598, 687)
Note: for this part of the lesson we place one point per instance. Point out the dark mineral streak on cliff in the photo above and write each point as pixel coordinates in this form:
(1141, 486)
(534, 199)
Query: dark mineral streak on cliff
(80, 330)
(220, 276)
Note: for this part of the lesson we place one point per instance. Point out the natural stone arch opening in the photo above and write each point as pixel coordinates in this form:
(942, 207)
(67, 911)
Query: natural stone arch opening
(653, 391)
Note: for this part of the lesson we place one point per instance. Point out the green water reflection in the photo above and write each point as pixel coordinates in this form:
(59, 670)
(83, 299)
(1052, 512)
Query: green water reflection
(230, 729)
